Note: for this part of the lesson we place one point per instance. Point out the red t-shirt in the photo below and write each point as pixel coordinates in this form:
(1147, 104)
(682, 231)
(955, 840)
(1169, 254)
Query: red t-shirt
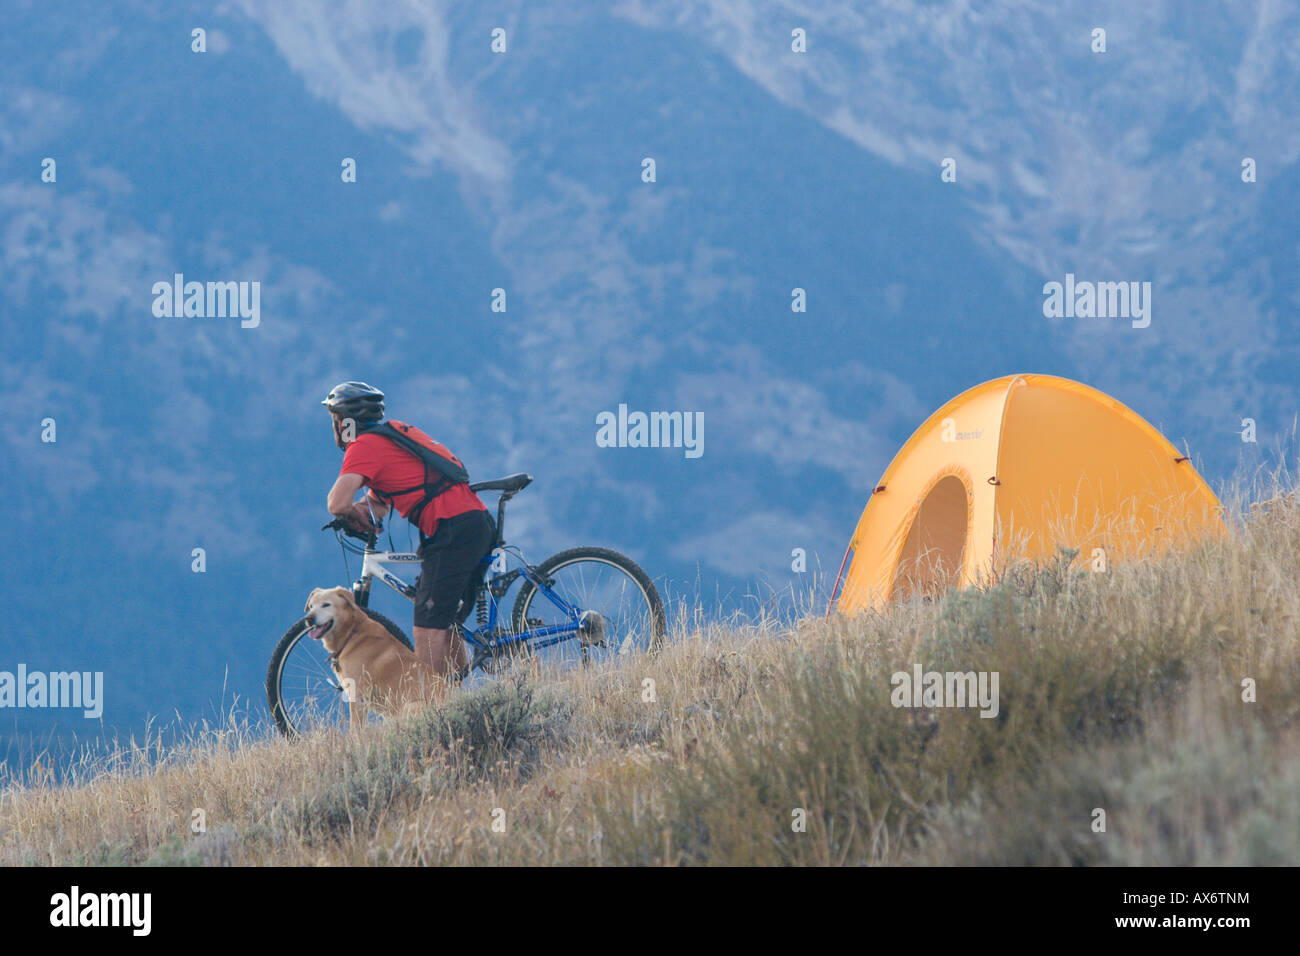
(387, 468)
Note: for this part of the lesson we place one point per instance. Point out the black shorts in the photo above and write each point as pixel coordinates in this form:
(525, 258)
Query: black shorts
(451, 568)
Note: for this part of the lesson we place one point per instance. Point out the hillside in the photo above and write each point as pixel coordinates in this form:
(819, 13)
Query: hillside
(1120, 691)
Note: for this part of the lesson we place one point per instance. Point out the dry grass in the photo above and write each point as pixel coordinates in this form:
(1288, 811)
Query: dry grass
(1120, 691)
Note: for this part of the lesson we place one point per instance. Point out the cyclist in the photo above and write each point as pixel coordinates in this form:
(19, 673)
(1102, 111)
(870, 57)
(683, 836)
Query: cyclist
(456, 530)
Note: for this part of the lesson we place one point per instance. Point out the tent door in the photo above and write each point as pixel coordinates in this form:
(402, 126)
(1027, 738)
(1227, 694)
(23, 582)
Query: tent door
(932, 556)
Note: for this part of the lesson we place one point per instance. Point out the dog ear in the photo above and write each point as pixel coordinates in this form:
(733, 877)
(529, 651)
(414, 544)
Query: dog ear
(310, 597)
(345, 594)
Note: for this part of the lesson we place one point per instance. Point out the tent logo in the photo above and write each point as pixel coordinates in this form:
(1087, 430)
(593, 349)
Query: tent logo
(1101, 300)
(950, 432)
(651, 430)
(947, 689)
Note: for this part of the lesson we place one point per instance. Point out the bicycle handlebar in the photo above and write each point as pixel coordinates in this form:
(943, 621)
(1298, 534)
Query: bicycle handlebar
(338, 525)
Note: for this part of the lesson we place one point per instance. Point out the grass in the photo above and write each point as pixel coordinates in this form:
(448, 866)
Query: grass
(1120, 692)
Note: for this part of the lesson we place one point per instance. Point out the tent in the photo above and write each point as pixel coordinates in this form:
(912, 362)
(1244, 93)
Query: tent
(1011, 470)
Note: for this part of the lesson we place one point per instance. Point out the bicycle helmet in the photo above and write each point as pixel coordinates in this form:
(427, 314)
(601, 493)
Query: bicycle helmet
(355, 400)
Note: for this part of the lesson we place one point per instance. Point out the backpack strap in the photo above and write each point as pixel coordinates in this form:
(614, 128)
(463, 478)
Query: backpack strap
(435, 482)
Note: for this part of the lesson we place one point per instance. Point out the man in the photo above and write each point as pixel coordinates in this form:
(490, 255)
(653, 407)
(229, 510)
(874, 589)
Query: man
(456, 530)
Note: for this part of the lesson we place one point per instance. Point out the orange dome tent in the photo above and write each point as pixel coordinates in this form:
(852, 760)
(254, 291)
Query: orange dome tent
(1011, 470)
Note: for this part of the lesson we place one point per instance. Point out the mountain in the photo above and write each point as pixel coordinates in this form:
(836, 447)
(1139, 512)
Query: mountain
(522, 171)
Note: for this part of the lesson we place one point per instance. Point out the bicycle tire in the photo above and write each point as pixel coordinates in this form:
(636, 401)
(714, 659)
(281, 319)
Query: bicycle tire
(275, 670)
(620, 561)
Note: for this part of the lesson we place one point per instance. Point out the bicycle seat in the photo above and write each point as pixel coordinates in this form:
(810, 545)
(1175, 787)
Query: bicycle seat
(509, 484)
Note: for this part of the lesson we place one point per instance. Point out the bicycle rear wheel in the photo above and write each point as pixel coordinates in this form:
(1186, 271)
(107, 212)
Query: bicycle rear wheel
(611, 585)
(301, 686)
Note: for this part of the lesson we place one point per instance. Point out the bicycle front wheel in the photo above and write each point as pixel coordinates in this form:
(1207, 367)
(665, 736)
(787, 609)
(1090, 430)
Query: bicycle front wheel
(301, 686)
(621, 603)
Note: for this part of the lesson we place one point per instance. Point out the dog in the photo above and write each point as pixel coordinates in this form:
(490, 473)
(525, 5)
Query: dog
(376, 670)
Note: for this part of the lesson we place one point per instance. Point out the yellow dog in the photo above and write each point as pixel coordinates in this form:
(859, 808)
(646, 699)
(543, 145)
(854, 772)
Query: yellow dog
(377, 671)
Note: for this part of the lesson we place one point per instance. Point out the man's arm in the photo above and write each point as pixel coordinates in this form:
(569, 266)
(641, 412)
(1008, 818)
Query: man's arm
(340, 497)
(381, 507)
(341, 505)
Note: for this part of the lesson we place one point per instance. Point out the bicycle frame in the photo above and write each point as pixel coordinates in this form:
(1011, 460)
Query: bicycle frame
(485, 637)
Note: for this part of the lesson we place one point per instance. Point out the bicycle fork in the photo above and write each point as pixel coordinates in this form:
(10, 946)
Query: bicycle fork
(361, 590)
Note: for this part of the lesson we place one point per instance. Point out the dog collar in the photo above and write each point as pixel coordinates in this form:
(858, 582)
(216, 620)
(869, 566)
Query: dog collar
(334, 656)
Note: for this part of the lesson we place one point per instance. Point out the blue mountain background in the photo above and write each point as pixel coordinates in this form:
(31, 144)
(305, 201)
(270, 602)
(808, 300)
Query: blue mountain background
(522, 170)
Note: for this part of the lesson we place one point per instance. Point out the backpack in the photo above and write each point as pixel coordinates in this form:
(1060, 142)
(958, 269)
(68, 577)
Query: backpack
(442, 469)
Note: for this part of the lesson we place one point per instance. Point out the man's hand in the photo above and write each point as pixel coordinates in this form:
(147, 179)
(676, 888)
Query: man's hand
(357, 517)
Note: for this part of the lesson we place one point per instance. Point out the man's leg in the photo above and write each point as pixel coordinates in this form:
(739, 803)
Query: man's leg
(450, 559)
(438, 647)
(459, 652)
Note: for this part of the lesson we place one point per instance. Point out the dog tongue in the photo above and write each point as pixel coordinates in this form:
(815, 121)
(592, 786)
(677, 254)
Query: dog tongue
(316, 632)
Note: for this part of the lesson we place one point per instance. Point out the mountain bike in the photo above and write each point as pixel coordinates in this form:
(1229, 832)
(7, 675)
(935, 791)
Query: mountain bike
(594, 602)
